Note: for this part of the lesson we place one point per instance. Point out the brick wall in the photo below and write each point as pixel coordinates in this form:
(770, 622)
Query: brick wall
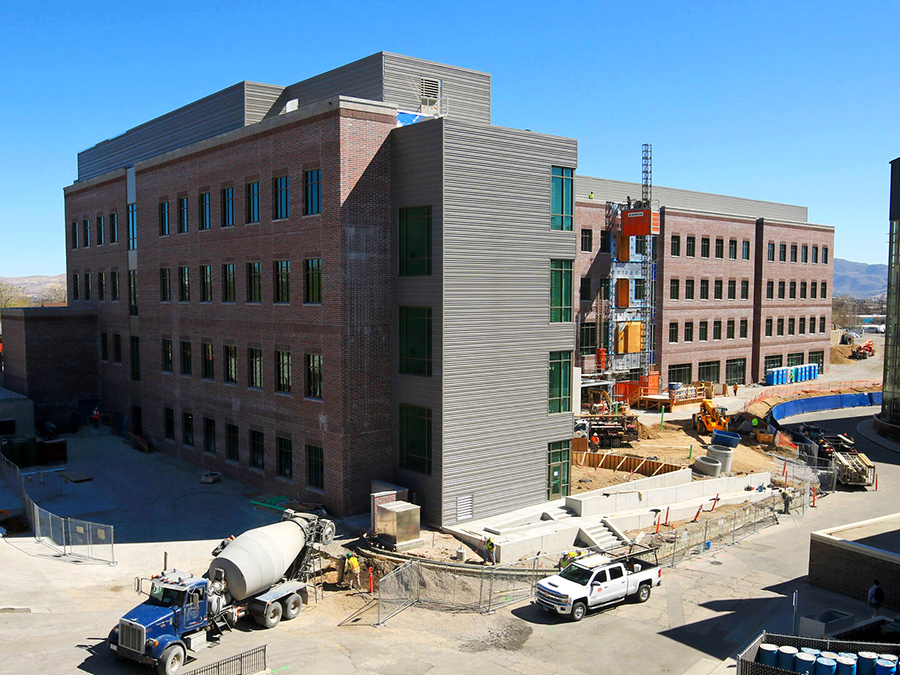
(849, 568)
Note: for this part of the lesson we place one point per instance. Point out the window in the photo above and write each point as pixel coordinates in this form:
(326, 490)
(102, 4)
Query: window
(793, 253)
(688, 331)
(674, 286)
(704, 289)
(603, 291)
(104, 347)
(132, 293)
(114, 286)
(821, 324)
(792, 290)
(166, 355)
(87, 232)
(815, 254)
(781, 290)
(732, 249)
(415, 438)
(804, 253)
(117, 348)
(561, 198)
(252, 211)
(312, 193)
(227, 207)
(165, 290)
(640, 245)
(254, 282)
(228, 282)
(184, 284)
(204, 210)
(708, 371)
(257, 449)
(75, 286)
(283, 372)
(717, 289)
(415, 241)
(745, 250)
(780, 325)
(639, 289)
(560, 291)
(113, 228)
(824, 255)
(205, 283)
(182, 215)
(87, 286)
(587, 241)
(101, 231)
(284, 457)
(717, 330)
(282, 281)
(312, 281)
(187, 429)
(232, 443)
(745, 289)
(743, 328)
(558, 464)
(164, 219)
(703, 335)
(313, 367)
(675, 248)
(768, 327)
(560, 382)
(254, 368)
(585, 291)
(770, 290)
(801, 325)
(186, 365)
(588, 339)
(605, 242)
(689, 245)
(770, 256)
(315, 464)
(209, 435)
(818, 358)
(803, 290)
(688, 289)
(207, 366)
(782, 252)
(673, 332)
(415, 340)
(795, 359)
(773, 361)
(732, 289)
(135, 358)
(229, 357)
(812, 324)
(729, 329)
(735, 371)
(169, 423)
(74, 234)
(824, 287)
(720, 248)
(280, 197)
(813, 289)
(681, 372)
(132, 227)
(704, 247)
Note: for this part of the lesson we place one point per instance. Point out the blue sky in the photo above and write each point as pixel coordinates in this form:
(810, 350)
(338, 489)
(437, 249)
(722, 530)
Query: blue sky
(786, 102)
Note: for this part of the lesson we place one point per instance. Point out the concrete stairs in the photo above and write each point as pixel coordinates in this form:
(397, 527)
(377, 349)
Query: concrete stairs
(599, 535)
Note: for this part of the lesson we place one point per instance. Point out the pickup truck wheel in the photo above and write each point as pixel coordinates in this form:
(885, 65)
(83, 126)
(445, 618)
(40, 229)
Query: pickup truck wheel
(579, 609)
(292, 606)
(171, 660)
(272, 615)
(643, 594)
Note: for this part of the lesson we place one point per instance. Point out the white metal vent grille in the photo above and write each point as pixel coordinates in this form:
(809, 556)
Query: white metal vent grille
(430, 95)
(465, 507)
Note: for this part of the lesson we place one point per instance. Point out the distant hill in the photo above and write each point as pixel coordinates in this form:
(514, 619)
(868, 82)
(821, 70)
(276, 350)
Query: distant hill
(859, 280)
(38, 286)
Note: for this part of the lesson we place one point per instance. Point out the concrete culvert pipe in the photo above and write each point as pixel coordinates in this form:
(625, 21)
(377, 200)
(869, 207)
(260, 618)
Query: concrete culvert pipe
(724, 454)
(708, 465)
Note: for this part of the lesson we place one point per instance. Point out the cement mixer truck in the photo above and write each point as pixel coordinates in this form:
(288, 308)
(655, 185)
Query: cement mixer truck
(258, 574)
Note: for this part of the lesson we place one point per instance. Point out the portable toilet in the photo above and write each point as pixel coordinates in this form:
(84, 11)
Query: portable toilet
(770, 376)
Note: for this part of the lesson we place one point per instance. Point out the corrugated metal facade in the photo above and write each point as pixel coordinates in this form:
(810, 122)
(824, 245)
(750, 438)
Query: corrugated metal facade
(417, 180)
(497, 336)
(617, 191)
(259, 101)
(361, 79)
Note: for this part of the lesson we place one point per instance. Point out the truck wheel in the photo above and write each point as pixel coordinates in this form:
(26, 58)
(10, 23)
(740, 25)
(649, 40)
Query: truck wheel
(643, 594)
(292, 606)
(171, 660)
(272, 616)
(579, 609)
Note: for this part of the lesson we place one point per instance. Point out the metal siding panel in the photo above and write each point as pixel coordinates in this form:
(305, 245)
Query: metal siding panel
(616, 191)
(417, 180)
(260, 100)
(497, 336)
(210, 116)
(467, 92)
(361, 79)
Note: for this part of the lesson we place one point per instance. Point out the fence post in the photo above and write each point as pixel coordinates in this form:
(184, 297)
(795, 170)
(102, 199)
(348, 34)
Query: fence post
(705, 531)
(733, 526)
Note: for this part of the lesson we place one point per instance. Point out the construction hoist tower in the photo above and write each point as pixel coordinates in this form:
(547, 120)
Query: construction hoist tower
(648, 265)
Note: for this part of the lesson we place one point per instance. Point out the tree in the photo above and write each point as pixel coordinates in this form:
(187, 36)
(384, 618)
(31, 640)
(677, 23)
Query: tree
(12, 296)
(53, 293)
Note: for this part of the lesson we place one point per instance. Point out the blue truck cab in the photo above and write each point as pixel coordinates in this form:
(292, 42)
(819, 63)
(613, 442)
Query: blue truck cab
(171, 621)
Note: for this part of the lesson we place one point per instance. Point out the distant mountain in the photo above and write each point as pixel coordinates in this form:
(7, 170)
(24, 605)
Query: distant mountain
(38, 286)
(859, 280)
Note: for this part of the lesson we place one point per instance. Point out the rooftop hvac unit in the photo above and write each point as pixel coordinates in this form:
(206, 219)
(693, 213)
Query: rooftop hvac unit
(429, 96)
(291, 105)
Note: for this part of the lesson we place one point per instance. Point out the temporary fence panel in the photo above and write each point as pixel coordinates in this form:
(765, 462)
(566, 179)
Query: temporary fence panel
(245, 663)
(398, 590)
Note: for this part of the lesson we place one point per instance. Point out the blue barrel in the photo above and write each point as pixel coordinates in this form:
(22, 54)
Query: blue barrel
(848, 655)
(829, 655)
(865, 664)
(846, 665)
(805, 663)
(825, 666)
(786, 656)
(767, 654)
(885, 667)
(810, 650)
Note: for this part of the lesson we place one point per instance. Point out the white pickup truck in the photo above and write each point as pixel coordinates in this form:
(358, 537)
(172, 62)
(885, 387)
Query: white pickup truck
(598, 579)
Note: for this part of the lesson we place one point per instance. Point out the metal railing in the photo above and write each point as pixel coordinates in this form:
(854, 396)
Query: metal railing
(246, 663)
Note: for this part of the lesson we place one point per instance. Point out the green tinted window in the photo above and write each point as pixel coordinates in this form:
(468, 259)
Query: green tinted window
(415, 241)
(415, 438)
(560, 382)
(415, 340)
(561, 198)
(560, 290)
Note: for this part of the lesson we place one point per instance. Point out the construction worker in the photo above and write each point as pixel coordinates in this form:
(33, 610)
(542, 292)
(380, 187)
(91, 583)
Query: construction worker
(786, 498)
(352, 570)
(595, 441)
(567, 557)
(489, 551)
(735, 388)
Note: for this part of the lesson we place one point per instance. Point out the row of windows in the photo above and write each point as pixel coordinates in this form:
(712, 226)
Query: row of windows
(794, 359)
(718, 289)
(256, 445)
(703, 330)
(83, 236)
(804, 253)
(819, 290)
(795, 326)
(690, 247)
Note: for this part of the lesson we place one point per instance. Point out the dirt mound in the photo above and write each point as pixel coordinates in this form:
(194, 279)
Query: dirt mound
(646, 432)
(511, 637)
(841, 353)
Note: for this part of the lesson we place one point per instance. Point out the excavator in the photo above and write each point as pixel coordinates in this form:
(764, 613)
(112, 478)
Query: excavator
(710, 418)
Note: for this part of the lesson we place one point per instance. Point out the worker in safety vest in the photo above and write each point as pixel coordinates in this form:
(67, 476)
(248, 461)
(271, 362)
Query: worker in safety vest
(595, 441)
(489, 547)
(353, 571)
(567, 557)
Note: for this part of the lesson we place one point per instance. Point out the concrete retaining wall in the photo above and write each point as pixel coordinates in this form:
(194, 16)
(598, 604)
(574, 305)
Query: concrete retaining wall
(636, 521)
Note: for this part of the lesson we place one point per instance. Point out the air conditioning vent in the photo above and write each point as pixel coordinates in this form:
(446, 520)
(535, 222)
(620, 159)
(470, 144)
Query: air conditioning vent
(465, 508)
(430, 96)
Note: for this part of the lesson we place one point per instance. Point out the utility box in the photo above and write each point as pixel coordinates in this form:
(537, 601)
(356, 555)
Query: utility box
(398, 525)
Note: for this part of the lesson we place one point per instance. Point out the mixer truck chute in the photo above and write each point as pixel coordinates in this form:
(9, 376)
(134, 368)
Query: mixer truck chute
(258, 574)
